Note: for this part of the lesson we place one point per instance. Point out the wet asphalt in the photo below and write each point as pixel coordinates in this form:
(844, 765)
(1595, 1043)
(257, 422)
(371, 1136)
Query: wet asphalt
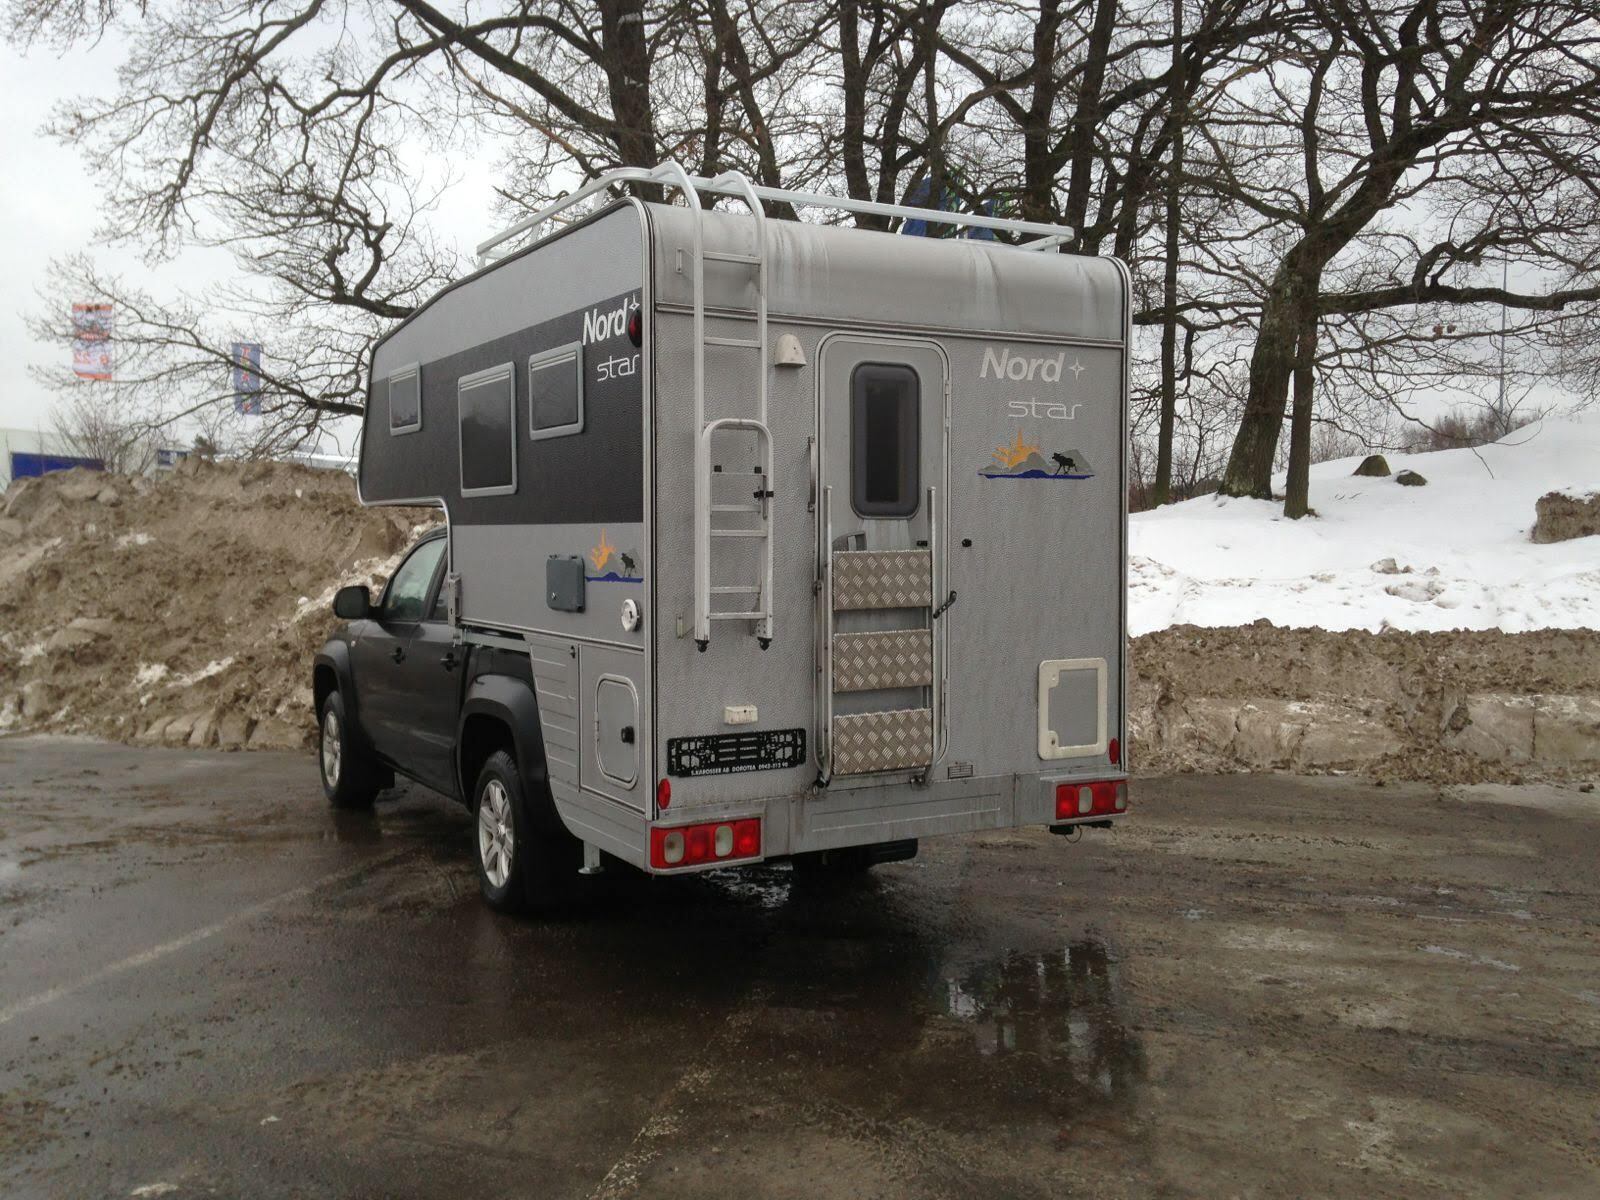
(211, 984)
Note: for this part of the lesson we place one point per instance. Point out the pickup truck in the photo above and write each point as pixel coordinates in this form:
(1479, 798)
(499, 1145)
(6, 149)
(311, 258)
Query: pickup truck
(396, 693)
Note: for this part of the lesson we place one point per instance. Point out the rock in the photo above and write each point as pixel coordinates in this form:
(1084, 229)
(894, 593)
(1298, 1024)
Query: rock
(1374, 465)
(1345, 739)
(233, 731)
(1387, 566)
(108, 496)
(275, 733)
(1410, 479)
(1269, 732)
(21, 498)
(153, 731)
(99, 626)
(1560, 517)
(68, 638)
(79, 484)
(1566, 729)
(204, 732)
(38, 700)
(179, 728)
(1498, 727)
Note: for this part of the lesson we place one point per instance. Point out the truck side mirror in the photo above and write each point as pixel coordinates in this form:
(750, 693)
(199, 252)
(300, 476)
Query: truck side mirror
(352, 603)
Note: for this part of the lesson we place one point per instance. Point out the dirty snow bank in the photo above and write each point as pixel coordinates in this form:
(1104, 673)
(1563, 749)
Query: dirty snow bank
(1460, 548)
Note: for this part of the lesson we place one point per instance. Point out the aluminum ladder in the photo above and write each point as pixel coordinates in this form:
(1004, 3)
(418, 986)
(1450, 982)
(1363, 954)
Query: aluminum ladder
(709, 599)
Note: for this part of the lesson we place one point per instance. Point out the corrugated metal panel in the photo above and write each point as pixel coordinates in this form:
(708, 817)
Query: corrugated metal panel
(555, 679)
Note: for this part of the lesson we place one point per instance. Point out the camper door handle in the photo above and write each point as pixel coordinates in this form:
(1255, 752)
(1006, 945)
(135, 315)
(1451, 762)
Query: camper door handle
(943, 608)
(398, 653)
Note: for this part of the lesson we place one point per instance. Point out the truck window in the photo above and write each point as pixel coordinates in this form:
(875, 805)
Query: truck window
(487, 402)
(885, 440)
(555, 392)
(407, 594)
(405, 400)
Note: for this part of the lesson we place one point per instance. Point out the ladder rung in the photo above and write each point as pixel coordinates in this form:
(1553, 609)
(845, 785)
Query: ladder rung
(745, 533)
(735, 591)
(741, 343)
(761, 615)
(732, 256)
(719, 473)
(755, 508)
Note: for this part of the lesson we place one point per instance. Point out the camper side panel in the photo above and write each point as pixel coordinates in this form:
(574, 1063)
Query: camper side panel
(516, 400)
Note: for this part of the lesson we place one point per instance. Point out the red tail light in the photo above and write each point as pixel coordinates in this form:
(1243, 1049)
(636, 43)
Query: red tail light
(713, 842)
(664, 793)
(1114, 752)
(1101, 798)
(636, 327)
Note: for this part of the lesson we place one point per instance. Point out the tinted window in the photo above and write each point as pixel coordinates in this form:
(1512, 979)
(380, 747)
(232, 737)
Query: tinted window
(405, 400)
(487, 404)
(885, 440)
(407, 596)
(555, 391)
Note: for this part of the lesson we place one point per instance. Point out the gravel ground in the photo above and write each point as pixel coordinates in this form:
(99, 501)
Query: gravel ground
(1257, 986)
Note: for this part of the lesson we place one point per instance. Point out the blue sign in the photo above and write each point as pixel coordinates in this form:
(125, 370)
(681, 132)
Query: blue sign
(27, 466)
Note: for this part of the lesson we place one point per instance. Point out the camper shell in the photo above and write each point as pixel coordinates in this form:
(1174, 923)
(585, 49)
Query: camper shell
(806, 526)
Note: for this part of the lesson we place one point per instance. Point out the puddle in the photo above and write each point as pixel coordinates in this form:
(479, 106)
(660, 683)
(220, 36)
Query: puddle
(1063, 1008)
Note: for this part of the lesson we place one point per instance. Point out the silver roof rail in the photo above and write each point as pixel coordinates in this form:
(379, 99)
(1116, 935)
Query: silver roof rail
(671, 174)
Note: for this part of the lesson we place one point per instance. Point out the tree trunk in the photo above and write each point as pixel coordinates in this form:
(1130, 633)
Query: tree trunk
(1297, 491)
(1294, 290)
(1162, 492)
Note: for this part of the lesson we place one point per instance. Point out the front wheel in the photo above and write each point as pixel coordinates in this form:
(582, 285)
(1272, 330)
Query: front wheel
(349, 776)
(520, 867)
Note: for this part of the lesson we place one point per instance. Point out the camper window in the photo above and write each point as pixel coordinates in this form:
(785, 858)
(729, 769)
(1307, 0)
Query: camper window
(405, 400)
(487, 403)
(885, 440)
(555, 392)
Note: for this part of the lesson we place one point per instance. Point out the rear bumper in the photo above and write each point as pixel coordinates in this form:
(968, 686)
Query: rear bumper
(836, 818)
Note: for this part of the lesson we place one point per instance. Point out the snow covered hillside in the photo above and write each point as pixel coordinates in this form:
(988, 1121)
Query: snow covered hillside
(1462, 558)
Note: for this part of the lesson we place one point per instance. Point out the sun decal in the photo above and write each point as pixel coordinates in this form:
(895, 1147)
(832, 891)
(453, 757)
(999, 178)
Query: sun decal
(1016, 453)
(602, 553)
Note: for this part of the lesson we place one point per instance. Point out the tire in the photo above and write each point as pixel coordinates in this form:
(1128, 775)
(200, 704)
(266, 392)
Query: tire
(350, 778)
(521, 867)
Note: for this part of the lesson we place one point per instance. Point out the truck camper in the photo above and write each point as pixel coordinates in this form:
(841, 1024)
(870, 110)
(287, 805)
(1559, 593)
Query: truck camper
(765, 538)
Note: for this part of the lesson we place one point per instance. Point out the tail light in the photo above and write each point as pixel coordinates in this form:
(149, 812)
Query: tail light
(1107, 798)
(1114, 752)
(664, 793)
(713, 842)
(636, 327)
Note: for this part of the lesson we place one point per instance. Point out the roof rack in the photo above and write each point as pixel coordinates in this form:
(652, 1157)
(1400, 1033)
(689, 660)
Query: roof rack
(672, 174)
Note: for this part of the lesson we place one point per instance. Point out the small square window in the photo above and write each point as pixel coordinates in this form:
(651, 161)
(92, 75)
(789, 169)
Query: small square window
(405, 400)
(885, 440)
(555, 392)
(487, 404)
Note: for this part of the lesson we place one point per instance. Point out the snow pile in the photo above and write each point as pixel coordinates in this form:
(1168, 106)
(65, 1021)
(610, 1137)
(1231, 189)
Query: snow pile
(1455, 554)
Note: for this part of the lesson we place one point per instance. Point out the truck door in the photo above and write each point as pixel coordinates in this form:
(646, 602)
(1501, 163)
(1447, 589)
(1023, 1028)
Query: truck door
(407, 684)
(882, 467)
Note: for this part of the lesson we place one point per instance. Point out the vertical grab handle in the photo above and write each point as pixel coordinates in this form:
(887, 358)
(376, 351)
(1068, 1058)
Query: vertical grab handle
(936, 681)
(825, 636)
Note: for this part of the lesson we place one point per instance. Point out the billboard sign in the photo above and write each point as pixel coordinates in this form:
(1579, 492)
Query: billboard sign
(247, 378)
(91, 341)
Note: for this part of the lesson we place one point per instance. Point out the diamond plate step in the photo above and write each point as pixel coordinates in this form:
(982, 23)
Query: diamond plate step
(865, 662)
(869, 579)
(882, 741)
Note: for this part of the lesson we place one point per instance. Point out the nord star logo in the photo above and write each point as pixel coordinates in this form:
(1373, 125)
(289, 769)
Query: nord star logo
(600, 324)
(1018, 368)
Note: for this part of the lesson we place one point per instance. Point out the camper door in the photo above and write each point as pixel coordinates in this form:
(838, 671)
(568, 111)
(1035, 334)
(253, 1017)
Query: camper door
(882, 474)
